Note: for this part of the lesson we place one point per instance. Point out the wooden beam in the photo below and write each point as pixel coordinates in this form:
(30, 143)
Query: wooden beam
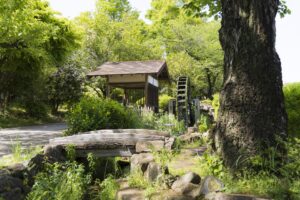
(108, 89)
(146, 91)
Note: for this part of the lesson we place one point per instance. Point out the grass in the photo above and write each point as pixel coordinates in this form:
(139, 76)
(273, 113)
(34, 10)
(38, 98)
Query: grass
(19, 155)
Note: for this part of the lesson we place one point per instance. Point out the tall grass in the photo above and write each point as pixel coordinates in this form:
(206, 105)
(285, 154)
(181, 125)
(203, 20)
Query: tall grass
(19, 154)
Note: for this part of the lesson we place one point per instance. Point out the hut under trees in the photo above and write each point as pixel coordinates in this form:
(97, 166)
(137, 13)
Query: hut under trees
(135, 78)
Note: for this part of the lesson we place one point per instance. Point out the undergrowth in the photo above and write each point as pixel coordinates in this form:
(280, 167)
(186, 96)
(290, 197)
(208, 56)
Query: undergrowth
(19, 154)
(60, 182)
(261, 176)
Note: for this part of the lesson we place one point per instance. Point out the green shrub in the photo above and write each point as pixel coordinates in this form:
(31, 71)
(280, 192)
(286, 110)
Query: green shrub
(19, 155)
(292, 104)
(169, 123)
(204, 123)
(164, 102)
(280, 183)
(35, 108)
(164, 122)
(109, 188)
(60, 182)
(95, 113)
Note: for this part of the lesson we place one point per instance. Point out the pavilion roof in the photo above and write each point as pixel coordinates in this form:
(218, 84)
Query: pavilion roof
(158, 68)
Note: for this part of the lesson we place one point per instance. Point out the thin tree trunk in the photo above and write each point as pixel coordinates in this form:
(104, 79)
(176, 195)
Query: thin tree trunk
(252, 111)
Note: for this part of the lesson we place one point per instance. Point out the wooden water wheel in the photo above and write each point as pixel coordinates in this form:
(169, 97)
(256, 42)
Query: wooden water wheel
(183, 100)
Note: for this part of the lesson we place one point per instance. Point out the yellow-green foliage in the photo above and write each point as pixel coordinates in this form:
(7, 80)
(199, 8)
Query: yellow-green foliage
(204, 123)
(264, 182)
(164, 102)
(19, 155)
(60, 182)
(137, 180)
(292, 104)
(96, 113)
(109, 188)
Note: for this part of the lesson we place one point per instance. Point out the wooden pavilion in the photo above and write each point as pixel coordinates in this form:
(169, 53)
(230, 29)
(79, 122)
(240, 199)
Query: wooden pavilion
(135, 75)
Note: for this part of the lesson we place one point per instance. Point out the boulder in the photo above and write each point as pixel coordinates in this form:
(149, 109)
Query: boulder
(140, 161)
(170, 143)
(187, 138)
(211, 184)
(130, 194)
(191, 130)
(12, 188)
(169, 179)
(153, 172)
(188, 185)
(55, 153)
(222, 196)
(123, 183)
(188, 189)
(170, 195)
(148, 146)
(189, 177)
(15, 170)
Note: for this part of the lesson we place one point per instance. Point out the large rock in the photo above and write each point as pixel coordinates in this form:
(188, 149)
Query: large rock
(130, 194)
(154, 171)
(168, 180)
(55, 153)
(188, 185)
(192, 130)
(211, 184)
(191, 137)
(189, 177)
(17, 170)
(170, 195)
(170, 143)
(221, 196)
(140, 161)
(12, 188)
(149, 146)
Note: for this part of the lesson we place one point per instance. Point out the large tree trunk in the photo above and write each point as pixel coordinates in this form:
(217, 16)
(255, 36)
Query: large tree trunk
(252, 109)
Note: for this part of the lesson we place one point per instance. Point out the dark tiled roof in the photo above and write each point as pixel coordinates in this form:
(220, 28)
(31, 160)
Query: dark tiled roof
(129, 67)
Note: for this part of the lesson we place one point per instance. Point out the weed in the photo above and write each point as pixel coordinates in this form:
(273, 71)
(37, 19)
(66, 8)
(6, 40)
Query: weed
(60, 182)
(109, 188)
(19, 155)
(163, 157)
(71, 152)
(137, 180)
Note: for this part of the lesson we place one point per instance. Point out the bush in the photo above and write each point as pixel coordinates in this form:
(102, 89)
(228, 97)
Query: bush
(95, 113)
(65, 86)
(165, 122)
(60, 182)
(109, 188)
(164, 102)
(204, 123)
(292, 104)
(169, 123)
(36, 109)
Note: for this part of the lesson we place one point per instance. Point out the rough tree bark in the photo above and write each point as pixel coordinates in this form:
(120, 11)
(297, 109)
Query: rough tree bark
(252, 111)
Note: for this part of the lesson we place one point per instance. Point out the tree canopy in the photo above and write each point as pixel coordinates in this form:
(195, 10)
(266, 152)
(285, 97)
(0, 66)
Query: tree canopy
(33, 39)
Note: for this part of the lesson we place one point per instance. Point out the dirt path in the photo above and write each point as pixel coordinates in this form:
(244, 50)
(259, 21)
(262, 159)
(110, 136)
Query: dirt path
(187, 160)
(29, 136)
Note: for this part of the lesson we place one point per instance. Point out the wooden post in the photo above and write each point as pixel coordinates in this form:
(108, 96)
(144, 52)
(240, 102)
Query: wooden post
(108, 88)
(125, 97)
(146, 91)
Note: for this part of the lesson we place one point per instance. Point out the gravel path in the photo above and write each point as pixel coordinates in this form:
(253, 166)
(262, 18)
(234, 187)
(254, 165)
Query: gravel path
(29, 136)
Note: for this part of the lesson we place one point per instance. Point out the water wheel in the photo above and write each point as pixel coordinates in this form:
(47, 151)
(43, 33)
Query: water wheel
(183, 100)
